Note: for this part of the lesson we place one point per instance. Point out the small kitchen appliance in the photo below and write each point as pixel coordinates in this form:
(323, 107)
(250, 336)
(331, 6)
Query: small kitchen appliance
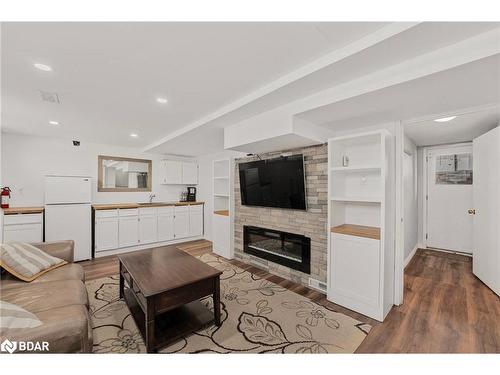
(191, 194)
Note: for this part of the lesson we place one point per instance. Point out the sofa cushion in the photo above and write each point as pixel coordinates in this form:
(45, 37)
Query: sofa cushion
(70, 271)
(48, 295)
(65, 329)
(25, 261)
(13, 317)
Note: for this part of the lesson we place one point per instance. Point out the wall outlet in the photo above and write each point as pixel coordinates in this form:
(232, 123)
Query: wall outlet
(318, 285)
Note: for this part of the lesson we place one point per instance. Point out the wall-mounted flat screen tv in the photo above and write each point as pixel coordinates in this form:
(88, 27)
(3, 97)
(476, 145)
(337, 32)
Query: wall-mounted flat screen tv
(275, 182)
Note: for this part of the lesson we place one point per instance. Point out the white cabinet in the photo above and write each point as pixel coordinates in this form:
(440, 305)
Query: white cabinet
(195, 220)
(165, 223)
(106, 230)
(361, 223)
(172, 172)
(136, 228)
(189, 173)
(181, 222)
(128, 227)
(148, 225)
(356, 287)
(23, 228)
(176, 172)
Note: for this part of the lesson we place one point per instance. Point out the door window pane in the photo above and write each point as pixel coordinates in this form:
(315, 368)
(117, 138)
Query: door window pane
(454, 169)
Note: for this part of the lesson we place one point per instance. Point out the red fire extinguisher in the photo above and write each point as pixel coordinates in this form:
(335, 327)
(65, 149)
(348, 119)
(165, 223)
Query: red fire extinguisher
(5, 195)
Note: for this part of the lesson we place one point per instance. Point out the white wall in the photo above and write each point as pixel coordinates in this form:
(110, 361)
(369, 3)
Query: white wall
(205, 185)
(410, 197)
(27, 159)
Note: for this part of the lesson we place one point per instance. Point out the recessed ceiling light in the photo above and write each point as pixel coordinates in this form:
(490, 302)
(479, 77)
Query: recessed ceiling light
(52, 122)
(445, 119)
(161, 100)
(134, 135)
(43, 67)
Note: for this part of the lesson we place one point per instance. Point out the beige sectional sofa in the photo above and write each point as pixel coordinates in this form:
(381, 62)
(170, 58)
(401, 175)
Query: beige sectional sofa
(58, 298)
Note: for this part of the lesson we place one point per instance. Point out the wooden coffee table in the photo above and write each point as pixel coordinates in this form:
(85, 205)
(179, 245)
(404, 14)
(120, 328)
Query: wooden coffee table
(165, 285)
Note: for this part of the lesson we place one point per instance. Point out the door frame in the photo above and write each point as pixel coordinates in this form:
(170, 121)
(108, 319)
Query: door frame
(424, 182)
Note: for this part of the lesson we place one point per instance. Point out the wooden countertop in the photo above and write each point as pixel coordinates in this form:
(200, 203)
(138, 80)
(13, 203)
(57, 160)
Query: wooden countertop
(23, 210)
(358, 231)
(114, 206)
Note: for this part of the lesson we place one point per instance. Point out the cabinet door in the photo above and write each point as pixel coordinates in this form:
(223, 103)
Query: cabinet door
(181, 223)
(173, 172)
(128, 231)
(148, 229)
(23, 233)
(189, 173)
(166, 226)
(106, 234)
(195, 220)
(355, 273)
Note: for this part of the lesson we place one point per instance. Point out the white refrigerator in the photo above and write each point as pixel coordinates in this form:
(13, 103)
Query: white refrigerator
(68, 212)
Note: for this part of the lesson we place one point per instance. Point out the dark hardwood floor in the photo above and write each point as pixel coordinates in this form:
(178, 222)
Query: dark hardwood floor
(446, 308)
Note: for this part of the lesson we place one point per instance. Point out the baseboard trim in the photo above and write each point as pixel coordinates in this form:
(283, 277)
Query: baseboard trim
(411, 255)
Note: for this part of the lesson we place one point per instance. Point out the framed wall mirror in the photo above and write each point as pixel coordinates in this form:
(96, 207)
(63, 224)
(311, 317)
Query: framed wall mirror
(117, 174)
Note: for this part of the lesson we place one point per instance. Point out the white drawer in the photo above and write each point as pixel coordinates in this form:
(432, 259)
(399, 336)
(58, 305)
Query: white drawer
(106, 213)
(179, 209)
(128, 212)
(166, 210)
(148, 211)
(198, 208)
(22, 219)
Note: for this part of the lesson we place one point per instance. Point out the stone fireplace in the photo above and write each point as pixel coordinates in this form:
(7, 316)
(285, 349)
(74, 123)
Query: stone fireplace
(310, 223)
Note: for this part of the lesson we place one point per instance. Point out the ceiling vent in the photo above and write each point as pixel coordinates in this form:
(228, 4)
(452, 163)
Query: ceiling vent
(50, 97)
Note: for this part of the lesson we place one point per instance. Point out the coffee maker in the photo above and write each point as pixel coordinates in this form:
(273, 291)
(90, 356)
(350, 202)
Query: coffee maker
(191, 194)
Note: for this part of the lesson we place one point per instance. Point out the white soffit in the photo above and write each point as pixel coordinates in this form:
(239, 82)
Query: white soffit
(259, 137)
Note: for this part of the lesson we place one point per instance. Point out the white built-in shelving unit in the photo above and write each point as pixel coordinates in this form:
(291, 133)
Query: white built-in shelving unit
(360, 256)
(223, 207)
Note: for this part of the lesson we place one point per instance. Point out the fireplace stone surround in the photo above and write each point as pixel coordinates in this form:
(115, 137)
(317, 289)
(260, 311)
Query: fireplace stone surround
(310, 223)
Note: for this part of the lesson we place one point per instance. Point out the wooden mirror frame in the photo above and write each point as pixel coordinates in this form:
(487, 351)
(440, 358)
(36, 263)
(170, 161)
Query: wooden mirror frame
(100, 186)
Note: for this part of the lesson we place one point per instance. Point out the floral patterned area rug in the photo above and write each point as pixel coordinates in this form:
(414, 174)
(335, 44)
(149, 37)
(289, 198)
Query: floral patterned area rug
(258, 316)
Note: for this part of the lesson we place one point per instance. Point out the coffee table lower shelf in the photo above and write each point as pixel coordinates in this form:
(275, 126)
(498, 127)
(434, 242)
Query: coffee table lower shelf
(171, 325)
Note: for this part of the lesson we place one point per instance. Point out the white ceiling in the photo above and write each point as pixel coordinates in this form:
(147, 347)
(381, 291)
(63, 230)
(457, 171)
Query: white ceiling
(107, 75)
(464, 128)
(470, 85)
(217, 74)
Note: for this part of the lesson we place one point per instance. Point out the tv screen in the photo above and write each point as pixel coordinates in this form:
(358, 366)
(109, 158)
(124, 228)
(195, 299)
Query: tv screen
(274, 183)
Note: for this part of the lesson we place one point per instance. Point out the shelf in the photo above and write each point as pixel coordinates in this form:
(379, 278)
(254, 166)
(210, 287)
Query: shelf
(221, 178)
(361, 168)
(357, 199)
(357, 230)
(222, 212)
(221, 195)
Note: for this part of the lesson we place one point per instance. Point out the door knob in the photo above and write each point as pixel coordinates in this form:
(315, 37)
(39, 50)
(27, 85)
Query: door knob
(471, 211)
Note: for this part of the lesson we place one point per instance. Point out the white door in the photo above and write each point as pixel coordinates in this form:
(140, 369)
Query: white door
(173, 172)
(449, 197)
(128, 231)
(181, 222)
(486, 260)
(195, 220)
(165, 224)
(70, 222)
(148, 229)
(106, 233)
(189, 173)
